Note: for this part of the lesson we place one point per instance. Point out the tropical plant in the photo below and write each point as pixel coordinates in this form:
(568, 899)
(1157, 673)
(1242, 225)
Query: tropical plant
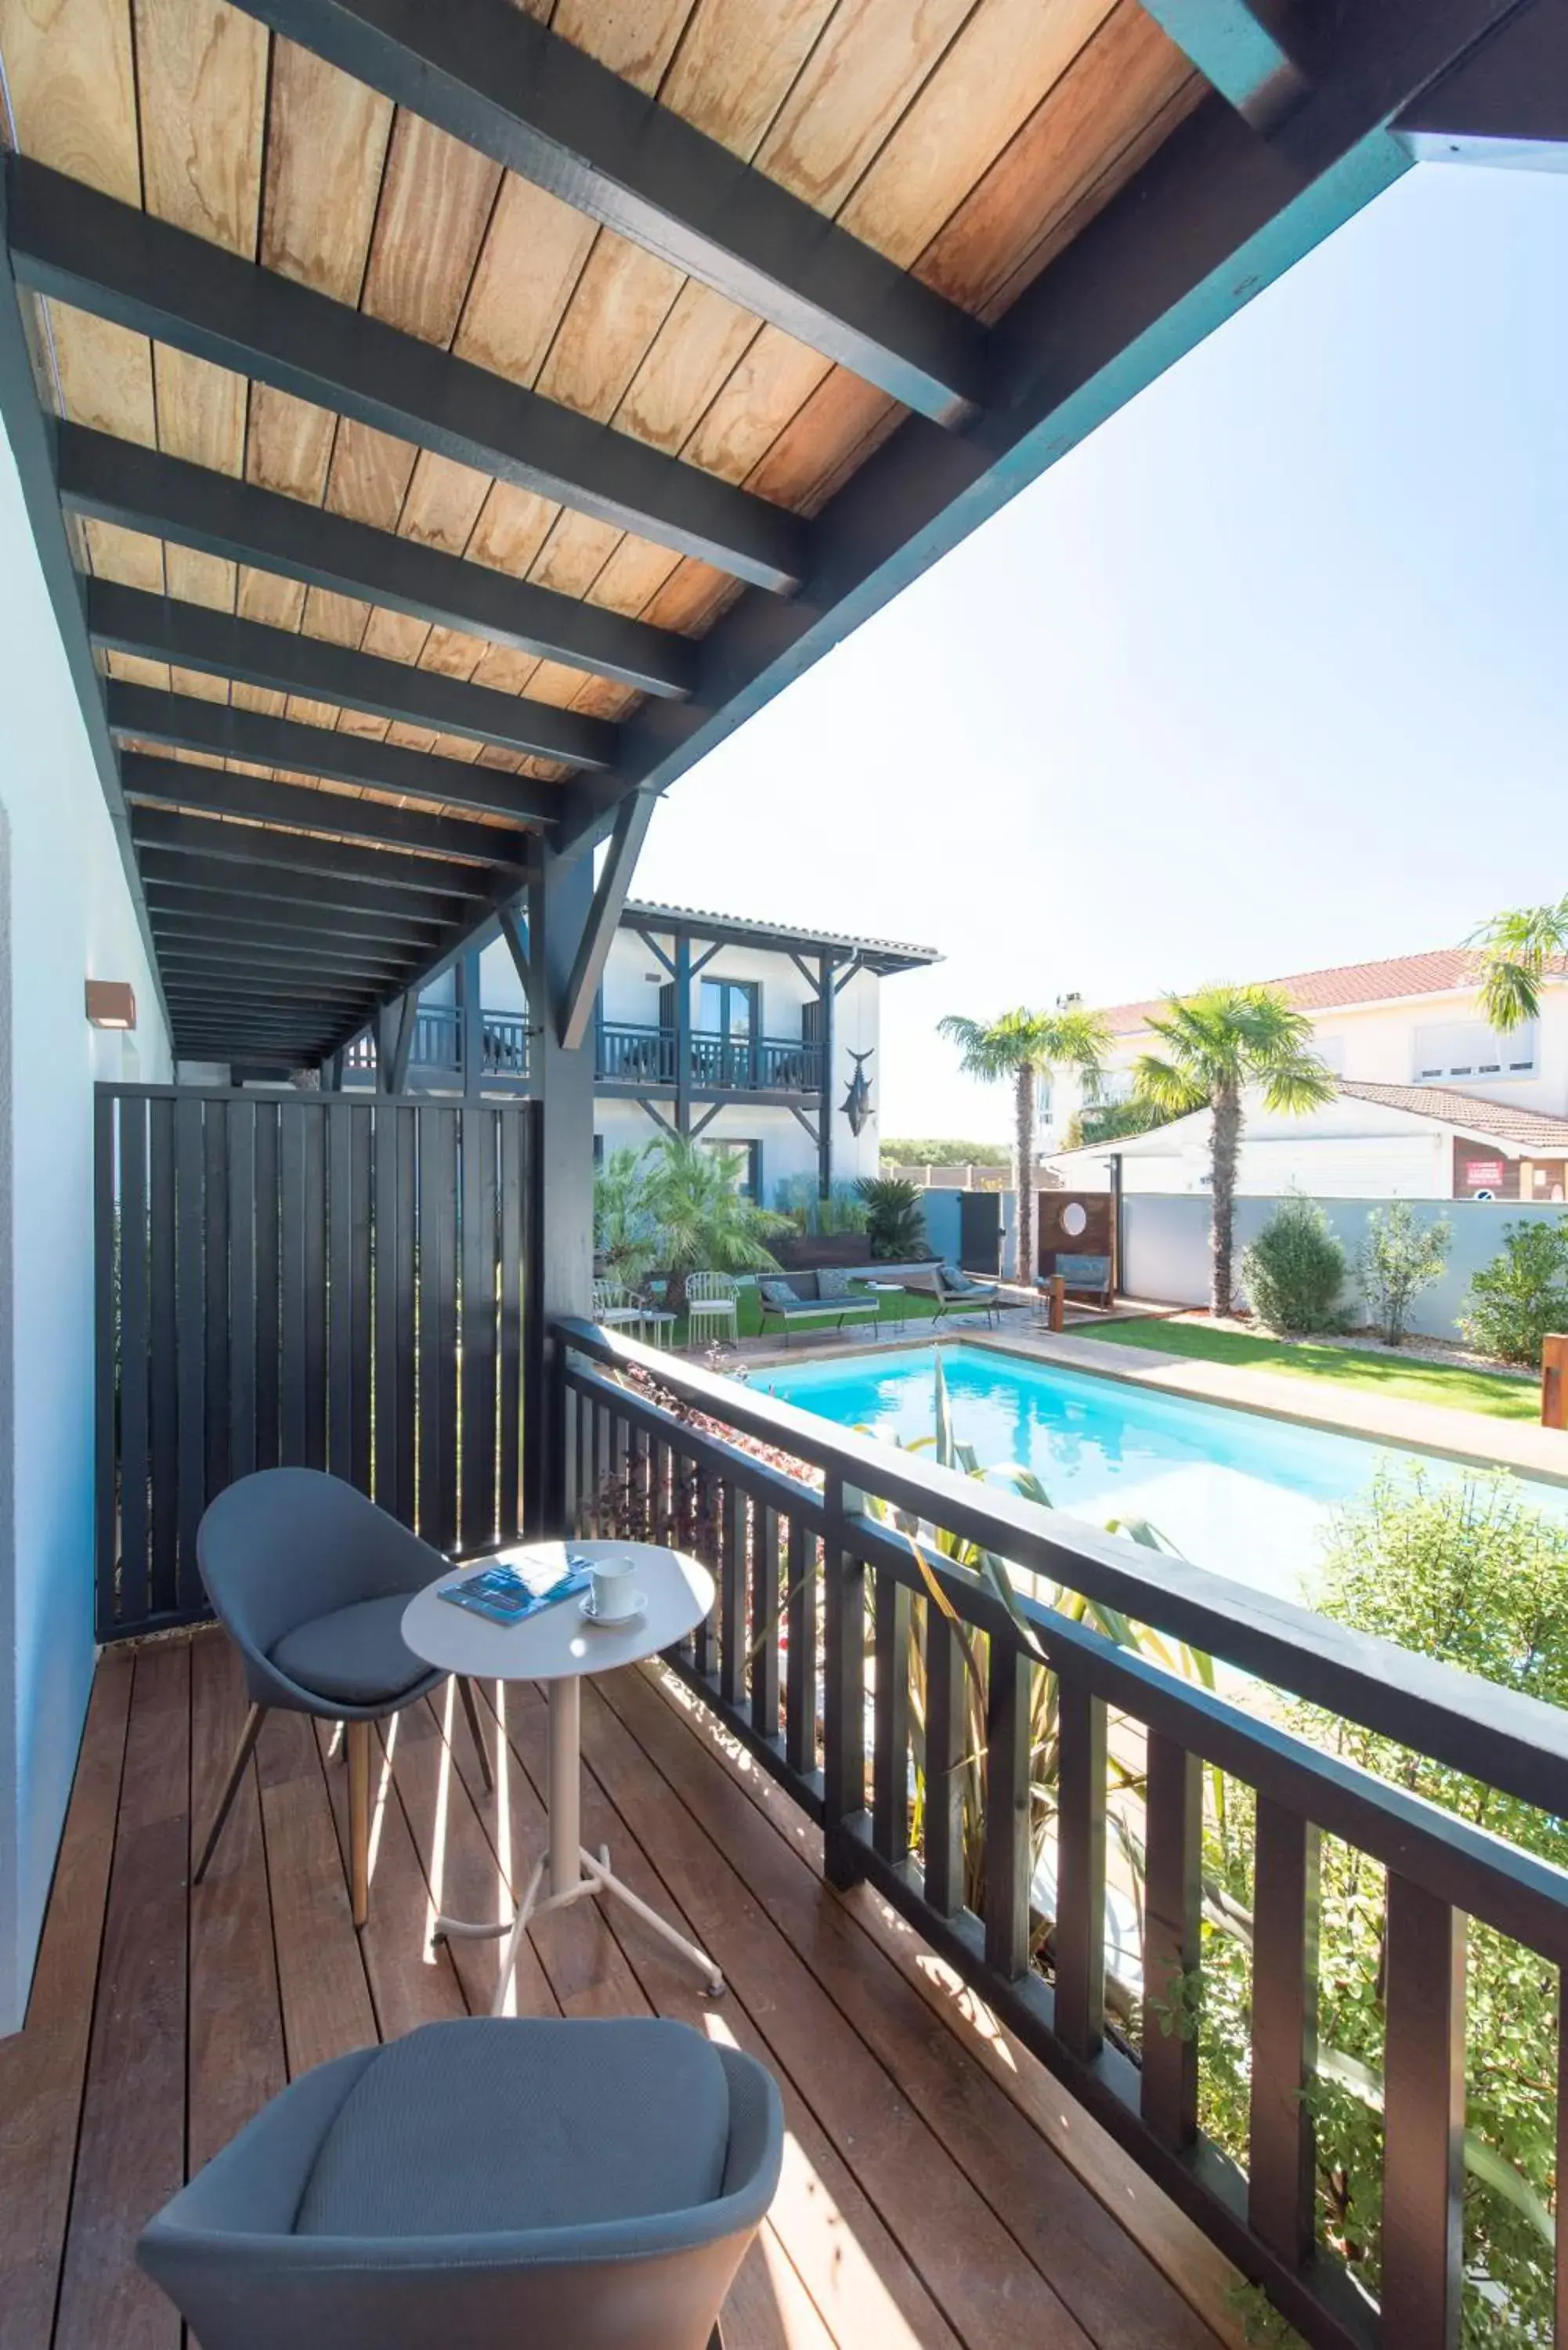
(895, 1218)
(1295, 1269)
(1468, 1574)
(1522, 1294)
(625, 1235)
(1022, 1047)
(1217, 1043)
(815, 1212)
(1109, 1121)
(1398, 1256)
(1515, 950)
(701, 1218)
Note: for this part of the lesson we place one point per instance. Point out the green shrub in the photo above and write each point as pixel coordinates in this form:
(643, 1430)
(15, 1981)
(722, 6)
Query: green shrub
(1397, 1260)
(1522, 1294)
(1295, 1269)
(895, 1219)
(814, 1214)
(1469, 1574)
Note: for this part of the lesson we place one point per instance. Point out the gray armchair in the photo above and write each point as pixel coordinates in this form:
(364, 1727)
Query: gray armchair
(587, 2185)
(311, 1580)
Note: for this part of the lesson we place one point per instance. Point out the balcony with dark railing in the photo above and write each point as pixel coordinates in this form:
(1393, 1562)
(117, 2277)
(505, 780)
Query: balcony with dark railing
(436, 1056)
(631, 1054)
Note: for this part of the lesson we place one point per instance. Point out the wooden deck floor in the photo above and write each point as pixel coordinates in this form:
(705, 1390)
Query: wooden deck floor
(925, 2200)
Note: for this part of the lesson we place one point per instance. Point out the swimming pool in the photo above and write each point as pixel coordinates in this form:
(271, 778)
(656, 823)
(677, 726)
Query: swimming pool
(1236, 1491)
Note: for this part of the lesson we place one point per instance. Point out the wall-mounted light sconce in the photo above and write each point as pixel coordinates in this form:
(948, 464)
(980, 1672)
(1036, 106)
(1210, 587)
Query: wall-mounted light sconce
(111, 1003)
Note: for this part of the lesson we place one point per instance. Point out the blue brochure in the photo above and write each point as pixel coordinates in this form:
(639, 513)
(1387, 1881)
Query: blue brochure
(512, 1592)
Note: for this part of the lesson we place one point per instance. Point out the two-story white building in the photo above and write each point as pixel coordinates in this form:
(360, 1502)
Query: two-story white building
(1431, 1102)
(762, 1038)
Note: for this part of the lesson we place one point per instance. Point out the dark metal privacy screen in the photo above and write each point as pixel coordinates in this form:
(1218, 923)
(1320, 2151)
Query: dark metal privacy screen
(301, 1280)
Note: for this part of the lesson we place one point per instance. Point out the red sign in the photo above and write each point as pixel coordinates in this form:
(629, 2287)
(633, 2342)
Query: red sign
(1484, 1174)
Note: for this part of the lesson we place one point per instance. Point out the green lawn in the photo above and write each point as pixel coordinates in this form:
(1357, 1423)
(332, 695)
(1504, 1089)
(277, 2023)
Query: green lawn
(1454, 1385)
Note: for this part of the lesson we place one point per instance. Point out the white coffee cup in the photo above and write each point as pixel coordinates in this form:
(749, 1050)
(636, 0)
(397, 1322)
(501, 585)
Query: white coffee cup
(613, 1596)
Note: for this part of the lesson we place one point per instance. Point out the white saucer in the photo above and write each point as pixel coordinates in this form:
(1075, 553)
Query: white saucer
(613, 1623)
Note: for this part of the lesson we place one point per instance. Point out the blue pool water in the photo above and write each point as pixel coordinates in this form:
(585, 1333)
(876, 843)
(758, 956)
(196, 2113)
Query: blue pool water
(1240, 1493)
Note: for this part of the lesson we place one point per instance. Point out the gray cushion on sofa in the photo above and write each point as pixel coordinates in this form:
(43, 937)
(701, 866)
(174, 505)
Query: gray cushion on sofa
(777, 1293)
(357, 1653)
(474, 2127)
(832, 1281)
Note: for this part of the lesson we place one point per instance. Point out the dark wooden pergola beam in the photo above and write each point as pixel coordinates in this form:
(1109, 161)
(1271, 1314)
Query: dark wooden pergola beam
(73, 245)
(192, 506)
(254, 846)
(220, 644)
(502, 83)
(577, 1007)
(217, 951)
(175, 783)
(229, 909)
(1507, 103)
(253, 886)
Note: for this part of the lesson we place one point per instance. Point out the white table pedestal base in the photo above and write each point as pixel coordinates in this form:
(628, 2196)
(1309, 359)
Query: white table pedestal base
(575, 1874)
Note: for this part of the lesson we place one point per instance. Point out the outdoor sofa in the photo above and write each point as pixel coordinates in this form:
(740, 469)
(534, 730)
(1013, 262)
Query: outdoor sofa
(824, 1296)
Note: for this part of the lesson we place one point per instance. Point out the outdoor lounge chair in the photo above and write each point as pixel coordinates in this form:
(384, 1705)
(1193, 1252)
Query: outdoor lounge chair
(310, 1580)
(711, 1311)
(955, 1293)
(783, 1303)
(492, 2182)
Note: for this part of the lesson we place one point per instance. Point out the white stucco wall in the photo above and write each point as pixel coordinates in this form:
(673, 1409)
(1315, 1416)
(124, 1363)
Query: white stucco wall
(66, 916)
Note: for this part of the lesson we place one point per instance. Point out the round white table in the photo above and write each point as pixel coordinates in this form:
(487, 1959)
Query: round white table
(559, 1646)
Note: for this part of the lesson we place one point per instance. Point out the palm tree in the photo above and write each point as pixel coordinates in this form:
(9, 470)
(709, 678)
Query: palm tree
(1218, 1043)
(702, 1220)
(1024, 1047)
(1515, 950)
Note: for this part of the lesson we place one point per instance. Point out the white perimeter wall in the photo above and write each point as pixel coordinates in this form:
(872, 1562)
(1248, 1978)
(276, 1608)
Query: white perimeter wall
(66, 916)
(1165, 1246)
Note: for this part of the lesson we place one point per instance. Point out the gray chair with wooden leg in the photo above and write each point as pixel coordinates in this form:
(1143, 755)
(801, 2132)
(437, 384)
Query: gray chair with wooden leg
(584, 2184)
(310, 1579)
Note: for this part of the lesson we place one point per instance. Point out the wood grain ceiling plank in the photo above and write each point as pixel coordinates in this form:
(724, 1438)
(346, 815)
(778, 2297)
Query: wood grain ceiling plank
(71, 81)
(128, 555)
(620, 301)
(684, 367)
(1007, 57)
(264, 596)
(370, 474)
(851, 92)
(633, 577)
(691, 599)
(832, 432)
(736, 63)
(636, 38)
(575, 554)
(776, 378)
(105, 374)
(525, 278)
(445, 501)
(1122, 80)
(435, 206)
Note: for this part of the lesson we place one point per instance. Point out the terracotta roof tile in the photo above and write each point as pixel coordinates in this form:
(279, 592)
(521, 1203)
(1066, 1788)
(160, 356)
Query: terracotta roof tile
(1526, 1129)
(1437, 973)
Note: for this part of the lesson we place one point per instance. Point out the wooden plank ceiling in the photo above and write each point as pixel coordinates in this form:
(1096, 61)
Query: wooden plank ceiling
(968, 142)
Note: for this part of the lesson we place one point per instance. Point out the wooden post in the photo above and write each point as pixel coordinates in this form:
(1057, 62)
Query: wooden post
(1056, 1315)
(1553, 1384)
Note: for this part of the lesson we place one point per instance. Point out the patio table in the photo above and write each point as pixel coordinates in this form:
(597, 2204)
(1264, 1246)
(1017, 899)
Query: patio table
(893, 1289)
(560, 1646)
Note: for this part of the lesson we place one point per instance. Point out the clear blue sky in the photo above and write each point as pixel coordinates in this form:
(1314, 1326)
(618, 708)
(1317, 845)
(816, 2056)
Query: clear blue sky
(1271, 672)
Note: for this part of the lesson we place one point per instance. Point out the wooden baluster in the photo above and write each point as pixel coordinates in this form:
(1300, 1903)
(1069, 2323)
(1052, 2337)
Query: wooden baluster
(800, 1663)
(1423, 2118)
(1080, 1936)
(1279, 2181)
(1172, 1902)
(844, 1683)
(764, 1622)
(890, 1717)
(699, 1487)
(947, 1742)
(1009, 1849)
(1561, 2331)
(735, 1526)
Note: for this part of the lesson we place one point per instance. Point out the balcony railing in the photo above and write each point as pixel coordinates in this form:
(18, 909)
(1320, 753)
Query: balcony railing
(644, 1056)
(946, 1739)
(438, 1042)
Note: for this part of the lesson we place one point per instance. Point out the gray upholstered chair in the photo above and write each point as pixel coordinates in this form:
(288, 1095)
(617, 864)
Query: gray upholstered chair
(311, 1580)
(495, 2182)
